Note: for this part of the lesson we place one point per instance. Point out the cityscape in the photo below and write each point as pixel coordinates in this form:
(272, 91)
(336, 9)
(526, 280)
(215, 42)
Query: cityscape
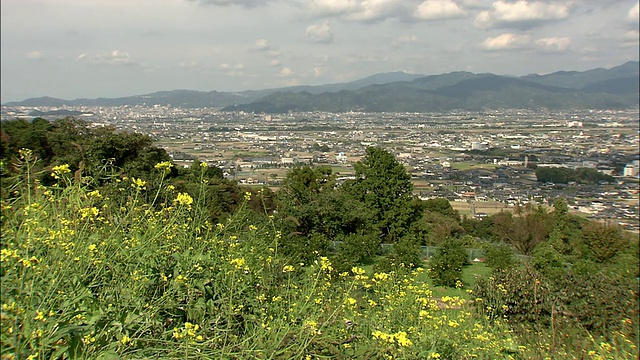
(482, 162)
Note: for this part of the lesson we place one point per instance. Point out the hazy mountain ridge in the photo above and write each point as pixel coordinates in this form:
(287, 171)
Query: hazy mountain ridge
(398, 91)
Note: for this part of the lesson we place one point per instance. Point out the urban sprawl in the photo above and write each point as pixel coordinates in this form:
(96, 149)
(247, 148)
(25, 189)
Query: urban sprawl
(482, 162)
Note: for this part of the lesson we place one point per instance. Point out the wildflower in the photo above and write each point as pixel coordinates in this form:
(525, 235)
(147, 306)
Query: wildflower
(59, 170)
(325, 264)
(357, 271)
(253, 227)
(402, 339)
(25, 153)
(89, 212)
(40, 316)
(204, 165)
(434, 356)
(138, 183)
(247, 196)
(288, 268)
(183, 199)
(350, 301)
(165, 165)
(238, 263)
(95, 194)
(125, 340)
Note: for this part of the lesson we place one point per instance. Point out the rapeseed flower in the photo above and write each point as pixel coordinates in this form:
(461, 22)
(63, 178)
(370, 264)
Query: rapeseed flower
(183, 199)
(59, 170)
(165, 165)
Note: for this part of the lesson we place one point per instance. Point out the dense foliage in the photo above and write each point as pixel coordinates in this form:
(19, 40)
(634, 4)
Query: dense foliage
(140, 259)
(563, 175)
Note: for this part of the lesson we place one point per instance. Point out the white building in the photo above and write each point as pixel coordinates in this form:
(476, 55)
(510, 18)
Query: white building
(630, 170)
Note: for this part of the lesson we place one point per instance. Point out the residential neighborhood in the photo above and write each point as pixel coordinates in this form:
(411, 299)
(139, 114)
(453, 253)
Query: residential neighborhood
(479, 161)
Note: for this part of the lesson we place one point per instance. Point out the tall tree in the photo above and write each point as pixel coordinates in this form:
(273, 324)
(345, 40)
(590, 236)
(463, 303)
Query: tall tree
(385, 187)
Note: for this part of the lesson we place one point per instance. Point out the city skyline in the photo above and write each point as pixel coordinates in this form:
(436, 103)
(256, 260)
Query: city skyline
(88, 49)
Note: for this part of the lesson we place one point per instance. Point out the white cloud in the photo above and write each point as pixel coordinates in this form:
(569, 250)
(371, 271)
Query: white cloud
(438, 9)
(360, 10)
(372, 10)
(190, 64)
(286, 72)
(334, 7)
(506, 41)
(275, 62)
(521, 13)
(244, 3)
(263, 45)
(233, 70)
(407, 39)
(226, 66)
(115, 57)
(319, 33)
(34, 55)
(319, 71)
(634, 12)
(554, 44)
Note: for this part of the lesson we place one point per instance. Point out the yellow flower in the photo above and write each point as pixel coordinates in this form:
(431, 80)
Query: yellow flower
(165, 165)
(351, 301)
(288, 268)
(247, 196)
(96, 194)
(125, 340)
(40, 316)
(402, 339)
(183, 199)
(138, 183)
(238, 263)
(203, 165)
(59, 170)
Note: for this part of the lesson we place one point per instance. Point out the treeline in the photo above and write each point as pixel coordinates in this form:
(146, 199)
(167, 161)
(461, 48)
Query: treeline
(563, 175)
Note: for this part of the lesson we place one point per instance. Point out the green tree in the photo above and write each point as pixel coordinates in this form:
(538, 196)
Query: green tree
(445, 267)
(523, 230)
(499, 256)
(383, 185)
(443, 207)
(603, 241)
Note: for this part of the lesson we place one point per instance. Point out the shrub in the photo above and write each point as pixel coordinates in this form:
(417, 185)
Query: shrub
(445, 267)
(499, 256)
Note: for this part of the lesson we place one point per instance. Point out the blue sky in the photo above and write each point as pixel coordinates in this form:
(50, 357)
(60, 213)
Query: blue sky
(95, 48)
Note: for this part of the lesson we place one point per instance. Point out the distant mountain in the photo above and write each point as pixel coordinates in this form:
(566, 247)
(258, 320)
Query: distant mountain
(579, 80)
(593, 89)
(398, 91)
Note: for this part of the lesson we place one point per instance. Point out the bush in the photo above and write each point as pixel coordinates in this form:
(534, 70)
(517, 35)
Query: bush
(446, 265)
(499, 256)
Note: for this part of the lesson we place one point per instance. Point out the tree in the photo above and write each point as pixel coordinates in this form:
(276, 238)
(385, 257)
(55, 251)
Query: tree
(383, 185)
(442, 206)
(524, 231)
(603, 241)
(445, 267)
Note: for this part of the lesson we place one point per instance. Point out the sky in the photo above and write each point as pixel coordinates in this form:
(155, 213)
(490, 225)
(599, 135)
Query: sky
(74, 49)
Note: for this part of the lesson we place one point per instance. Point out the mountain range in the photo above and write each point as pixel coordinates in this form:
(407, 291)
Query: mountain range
(614, 88)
